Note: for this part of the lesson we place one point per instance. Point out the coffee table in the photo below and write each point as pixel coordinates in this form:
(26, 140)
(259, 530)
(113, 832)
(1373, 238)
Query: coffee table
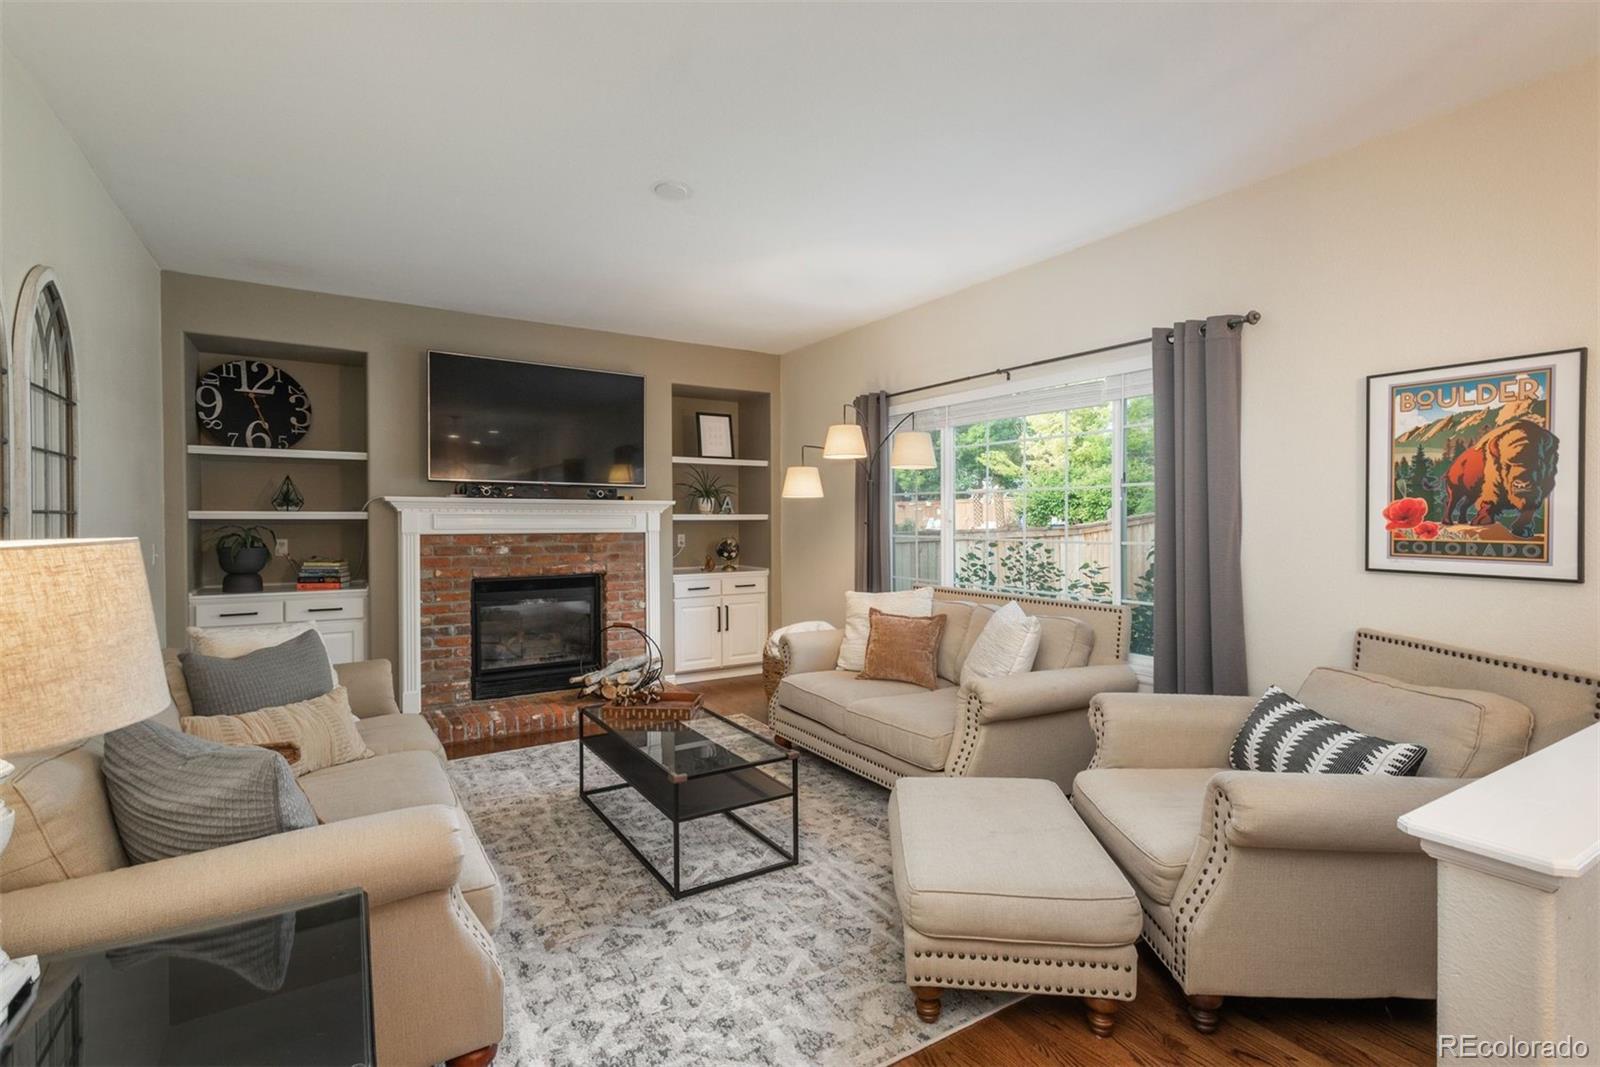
(689, 764)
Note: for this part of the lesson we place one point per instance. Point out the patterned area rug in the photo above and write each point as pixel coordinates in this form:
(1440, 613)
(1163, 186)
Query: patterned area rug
(797, 966)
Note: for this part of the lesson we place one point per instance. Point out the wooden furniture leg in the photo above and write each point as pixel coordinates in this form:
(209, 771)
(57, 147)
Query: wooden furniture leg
(1203, 1012)
(1102, 1015)
(781, 741)
(927, 1002)
(480, 1057)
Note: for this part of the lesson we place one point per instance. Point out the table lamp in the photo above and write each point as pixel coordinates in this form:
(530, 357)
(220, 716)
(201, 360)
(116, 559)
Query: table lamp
(79, 655)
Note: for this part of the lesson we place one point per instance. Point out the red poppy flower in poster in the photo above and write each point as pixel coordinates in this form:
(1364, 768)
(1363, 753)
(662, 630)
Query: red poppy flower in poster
(1427, 530)
(1405, 513)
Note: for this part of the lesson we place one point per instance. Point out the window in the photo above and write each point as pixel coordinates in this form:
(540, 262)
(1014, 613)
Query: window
(1046, 493)
(44, 445)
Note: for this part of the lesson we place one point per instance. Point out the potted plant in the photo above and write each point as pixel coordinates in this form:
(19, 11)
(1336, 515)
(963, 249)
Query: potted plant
(704, 490)
(242, 553)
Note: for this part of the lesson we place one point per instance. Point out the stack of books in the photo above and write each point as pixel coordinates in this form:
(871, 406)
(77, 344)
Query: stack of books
(316, 574)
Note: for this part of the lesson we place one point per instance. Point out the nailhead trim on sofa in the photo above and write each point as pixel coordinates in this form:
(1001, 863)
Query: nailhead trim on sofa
(1119, 650)
(1479, 657)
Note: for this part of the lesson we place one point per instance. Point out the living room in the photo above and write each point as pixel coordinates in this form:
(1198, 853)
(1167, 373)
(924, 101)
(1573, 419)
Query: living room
(847, 534)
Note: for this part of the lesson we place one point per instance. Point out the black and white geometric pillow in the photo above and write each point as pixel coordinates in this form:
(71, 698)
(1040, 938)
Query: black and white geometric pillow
(1283, 734)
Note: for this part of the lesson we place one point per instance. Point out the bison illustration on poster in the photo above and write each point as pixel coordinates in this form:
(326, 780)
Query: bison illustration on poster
(1475, 468)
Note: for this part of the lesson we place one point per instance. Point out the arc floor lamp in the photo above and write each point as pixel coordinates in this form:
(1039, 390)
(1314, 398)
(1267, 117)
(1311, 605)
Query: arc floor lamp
(912, 451)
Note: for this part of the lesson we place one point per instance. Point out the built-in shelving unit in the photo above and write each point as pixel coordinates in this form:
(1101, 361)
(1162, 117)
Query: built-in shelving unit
(275, 590)
(706, 461)
(225, 485)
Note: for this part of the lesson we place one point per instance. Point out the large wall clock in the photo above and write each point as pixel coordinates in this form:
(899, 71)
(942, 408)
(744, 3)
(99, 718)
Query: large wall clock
(249, 403)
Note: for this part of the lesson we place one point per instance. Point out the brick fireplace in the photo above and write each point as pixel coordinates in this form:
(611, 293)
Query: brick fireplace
(453, 549)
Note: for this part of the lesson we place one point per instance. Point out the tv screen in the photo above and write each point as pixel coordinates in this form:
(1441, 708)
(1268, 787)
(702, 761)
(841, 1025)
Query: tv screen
(502, 420)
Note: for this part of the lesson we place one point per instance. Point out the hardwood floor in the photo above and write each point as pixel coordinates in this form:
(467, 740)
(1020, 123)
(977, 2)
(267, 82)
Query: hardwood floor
(1155, 1028)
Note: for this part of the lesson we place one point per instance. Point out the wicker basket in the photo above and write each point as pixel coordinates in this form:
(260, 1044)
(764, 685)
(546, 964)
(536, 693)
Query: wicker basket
(771, 672)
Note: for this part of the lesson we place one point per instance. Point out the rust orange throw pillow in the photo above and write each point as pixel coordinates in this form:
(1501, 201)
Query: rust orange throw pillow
(901, 648)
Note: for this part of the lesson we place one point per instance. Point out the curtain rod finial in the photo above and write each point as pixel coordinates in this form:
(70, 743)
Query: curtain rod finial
(1252, 317)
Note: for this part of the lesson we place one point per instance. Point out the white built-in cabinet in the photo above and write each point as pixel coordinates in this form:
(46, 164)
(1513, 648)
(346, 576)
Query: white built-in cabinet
(340, 617)
(719, 620)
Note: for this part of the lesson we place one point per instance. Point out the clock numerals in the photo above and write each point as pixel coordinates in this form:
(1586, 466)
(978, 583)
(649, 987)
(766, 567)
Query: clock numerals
(240, 403)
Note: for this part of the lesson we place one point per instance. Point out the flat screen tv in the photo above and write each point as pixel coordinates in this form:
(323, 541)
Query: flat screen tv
(503, 420)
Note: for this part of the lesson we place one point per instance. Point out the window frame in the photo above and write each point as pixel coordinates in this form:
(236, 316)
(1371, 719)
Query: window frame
(5, 422)
(40, 283)
(1080, 371)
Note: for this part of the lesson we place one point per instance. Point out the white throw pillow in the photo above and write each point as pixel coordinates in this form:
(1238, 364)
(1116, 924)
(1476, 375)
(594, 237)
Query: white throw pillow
(231, 642)
(917, 603)
(1007, 645)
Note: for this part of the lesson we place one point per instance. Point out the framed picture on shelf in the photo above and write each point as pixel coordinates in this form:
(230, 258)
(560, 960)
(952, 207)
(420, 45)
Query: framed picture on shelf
(715, 434)
(1476, 469)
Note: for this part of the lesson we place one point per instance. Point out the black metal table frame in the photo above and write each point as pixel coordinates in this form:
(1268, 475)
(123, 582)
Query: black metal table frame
(672, 809)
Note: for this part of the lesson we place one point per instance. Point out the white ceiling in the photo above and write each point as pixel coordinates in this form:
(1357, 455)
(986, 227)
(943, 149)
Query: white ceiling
(848, 161)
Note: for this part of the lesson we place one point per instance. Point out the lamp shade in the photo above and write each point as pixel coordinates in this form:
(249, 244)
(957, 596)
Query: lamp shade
(802, 483)
(912, 451)
(844, 441)
(80, 654)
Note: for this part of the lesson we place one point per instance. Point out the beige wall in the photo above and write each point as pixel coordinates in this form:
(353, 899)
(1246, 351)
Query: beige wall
(54, 211)
(395, 337)
(1468, 237)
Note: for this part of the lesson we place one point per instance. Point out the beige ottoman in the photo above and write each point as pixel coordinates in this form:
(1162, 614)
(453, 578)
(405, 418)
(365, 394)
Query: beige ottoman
(1001, 886)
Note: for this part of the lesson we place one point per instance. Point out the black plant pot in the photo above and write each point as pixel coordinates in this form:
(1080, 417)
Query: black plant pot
(243, 568)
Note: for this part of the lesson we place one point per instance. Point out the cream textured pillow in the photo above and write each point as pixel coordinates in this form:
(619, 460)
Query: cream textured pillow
(322, 727)
(231, 642)
(1007, 645)
(917, 603)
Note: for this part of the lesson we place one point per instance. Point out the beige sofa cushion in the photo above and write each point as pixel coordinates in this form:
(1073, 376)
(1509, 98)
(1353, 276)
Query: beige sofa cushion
(1468, 733)
(915, 727)
(823, 696)
(63, 827)
(958, 616)
(405, 780)
(1149, 820)
(1063, 642)
(400, 733)
(1004, 859)
(322, 730)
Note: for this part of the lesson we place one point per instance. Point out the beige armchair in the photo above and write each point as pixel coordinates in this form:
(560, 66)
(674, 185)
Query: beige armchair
(390, 826)
(1032, 725)
(1302, 885)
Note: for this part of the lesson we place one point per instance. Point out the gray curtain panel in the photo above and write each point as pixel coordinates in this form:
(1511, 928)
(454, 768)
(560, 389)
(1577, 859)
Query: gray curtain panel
(873, 489)
(1199, 617)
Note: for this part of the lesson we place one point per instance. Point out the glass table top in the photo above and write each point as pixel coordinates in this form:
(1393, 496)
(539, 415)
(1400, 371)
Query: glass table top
(684, 744)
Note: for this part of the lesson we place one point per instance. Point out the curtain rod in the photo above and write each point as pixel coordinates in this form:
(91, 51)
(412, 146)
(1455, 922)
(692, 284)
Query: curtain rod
(1250, 318)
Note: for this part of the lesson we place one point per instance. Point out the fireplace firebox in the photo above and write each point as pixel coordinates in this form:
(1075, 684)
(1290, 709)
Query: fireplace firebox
(533, 634)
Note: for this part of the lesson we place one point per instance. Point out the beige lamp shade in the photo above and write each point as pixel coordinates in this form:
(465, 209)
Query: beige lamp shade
(79, 654)
(844, 441)
(802, 483)
(912, 451)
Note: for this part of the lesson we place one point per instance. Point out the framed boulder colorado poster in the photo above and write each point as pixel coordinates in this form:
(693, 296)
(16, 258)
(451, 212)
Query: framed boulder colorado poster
(1477, 468)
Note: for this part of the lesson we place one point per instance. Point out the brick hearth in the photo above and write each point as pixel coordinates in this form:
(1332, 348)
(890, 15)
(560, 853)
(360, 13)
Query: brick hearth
(449, 564)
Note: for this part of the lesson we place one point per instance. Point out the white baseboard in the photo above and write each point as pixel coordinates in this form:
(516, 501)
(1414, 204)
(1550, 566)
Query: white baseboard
(714, 676)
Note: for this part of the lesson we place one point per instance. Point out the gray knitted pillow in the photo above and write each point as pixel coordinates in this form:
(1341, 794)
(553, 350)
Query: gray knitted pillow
(266, 678)
(172, 794)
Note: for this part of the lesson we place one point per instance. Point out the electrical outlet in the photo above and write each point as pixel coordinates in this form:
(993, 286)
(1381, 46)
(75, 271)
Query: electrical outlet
(682, 541)
(283, 546)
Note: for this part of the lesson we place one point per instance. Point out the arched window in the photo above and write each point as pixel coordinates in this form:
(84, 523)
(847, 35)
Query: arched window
(44, 445)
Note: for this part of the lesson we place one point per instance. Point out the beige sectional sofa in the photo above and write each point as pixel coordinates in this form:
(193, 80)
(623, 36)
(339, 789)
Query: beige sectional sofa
(391, 825)
(1032, 725)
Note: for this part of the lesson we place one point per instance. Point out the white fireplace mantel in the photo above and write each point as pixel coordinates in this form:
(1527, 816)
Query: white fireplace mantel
(424, 515)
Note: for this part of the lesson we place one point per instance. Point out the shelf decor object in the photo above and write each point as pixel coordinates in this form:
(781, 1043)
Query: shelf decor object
(704, 490)
(288, 497)
(715, 433)
(243, 552)
(728, 553)
(250, 403)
